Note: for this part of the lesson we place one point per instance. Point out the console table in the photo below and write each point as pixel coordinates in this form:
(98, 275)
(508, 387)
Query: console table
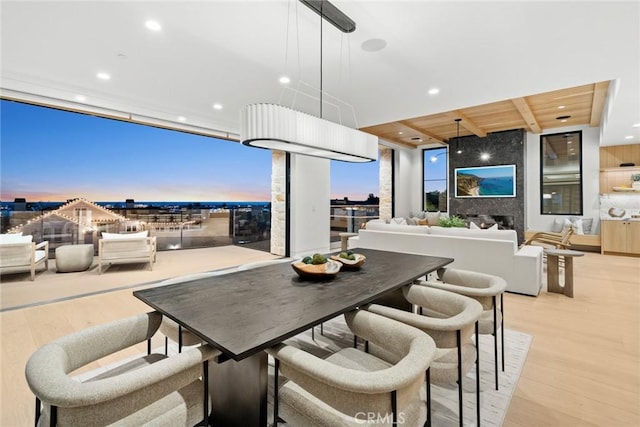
(245, 312)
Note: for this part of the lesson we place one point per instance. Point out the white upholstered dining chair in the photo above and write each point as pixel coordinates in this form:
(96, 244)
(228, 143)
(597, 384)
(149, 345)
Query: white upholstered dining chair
(152, 389)
(484, 288)
(352, 387)
(450, 319)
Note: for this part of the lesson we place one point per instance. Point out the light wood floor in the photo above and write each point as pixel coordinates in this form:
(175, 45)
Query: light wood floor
(583, 367)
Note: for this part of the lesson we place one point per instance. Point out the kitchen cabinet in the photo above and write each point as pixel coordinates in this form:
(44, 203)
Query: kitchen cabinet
(621, 237)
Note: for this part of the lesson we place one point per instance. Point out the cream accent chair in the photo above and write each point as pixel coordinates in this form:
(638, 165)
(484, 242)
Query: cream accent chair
(450, 319)
(19, 254)
(484, 288)
(128, 248)
(354, 388)
(149, 390)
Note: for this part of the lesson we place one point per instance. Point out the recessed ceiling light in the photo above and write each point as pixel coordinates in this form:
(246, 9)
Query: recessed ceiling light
(560, 107)
(433, 91)
(182, 119)
(217, 106)
(400, 133)
(103, 76)
(485, 156)
(569, 142)
(153, 25)
(284, 80)
(636, 125)
(81, 98)
(628, 137)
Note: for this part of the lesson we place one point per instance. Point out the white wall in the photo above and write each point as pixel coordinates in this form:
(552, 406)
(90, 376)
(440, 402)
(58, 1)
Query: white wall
(590, 178)
(310, 210)
(533, 219)
(408, 181)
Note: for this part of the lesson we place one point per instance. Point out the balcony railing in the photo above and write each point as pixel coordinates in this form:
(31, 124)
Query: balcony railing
(350, 218)
(178, 228)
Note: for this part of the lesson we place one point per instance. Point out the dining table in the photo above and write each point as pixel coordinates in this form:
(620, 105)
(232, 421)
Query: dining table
(245, 312)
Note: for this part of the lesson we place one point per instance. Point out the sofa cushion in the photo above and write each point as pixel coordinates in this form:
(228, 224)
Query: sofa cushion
(124, 236)
(510, 235)
(376, 226)
(15, 238)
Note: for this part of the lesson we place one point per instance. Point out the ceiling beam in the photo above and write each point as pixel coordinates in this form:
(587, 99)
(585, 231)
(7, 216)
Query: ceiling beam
(523, 108)
(399, 142)
(430, 137)
(600, 90)
(466, 123)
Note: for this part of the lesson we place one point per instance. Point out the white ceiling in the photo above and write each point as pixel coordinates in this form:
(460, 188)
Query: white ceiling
(233, 52)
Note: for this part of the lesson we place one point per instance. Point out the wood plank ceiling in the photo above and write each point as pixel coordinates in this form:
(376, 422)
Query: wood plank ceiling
(536, 113)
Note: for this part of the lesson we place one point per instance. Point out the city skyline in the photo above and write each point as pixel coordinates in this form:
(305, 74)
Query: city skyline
(54, 155)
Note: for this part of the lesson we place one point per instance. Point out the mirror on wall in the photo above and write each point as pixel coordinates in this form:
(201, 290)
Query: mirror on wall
(561, 173)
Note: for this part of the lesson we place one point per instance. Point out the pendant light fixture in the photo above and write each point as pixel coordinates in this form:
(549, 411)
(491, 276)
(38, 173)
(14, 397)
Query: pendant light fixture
(458, 149)
(276, 127)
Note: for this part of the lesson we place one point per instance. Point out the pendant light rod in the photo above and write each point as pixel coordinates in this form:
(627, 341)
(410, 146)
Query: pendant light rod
(332, 14)
(321, 15)
(458, 150)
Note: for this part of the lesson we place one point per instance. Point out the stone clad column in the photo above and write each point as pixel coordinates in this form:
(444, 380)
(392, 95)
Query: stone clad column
(278, 202)
(386, 185)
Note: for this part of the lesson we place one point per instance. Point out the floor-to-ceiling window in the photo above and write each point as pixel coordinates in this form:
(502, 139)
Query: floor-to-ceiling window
(188, 190)
(354, 195)
(435, 194)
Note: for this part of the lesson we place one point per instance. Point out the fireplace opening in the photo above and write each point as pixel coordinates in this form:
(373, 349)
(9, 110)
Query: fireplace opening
(505, 222)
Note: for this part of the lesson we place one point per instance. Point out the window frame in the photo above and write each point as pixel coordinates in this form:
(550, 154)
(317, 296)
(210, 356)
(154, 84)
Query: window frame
(424, 180)
(578, 134)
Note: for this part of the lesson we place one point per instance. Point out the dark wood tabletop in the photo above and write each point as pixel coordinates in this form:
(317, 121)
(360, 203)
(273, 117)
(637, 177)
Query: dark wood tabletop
(244, 312)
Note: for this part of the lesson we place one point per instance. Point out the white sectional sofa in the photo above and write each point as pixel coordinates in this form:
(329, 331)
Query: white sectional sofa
(486, 251)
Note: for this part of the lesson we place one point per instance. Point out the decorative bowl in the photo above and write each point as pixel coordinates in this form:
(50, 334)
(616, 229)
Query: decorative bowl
(350, 263)
(316, 271)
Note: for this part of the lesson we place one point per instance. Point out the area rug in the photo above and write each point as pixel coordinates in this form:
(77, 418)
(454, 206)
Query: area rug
(444, 398)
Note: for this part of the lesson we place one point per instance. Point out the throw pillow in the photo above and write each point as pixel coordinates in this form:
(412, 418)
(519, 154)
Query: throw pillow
(399, 221)
(587, 224)
(411, 221)
(423, 222)
(558, 225)
(433, 218)
(493, 227)
(473, 226)
(577, 226)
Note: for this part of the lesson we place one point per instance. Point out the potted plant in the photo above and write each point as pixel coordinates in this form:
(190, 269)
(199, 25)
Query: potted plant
(453, 221)
(635, 181)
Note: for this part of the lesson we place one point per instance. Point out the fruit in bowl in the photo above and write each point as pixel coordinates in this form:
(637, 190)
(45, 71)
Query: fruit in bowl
(315, 259)
(349, 259)
(316, 266)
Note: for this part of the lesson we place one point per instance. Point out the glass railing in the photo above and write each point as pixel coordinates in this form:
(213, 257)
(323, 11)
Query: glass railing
(173, 227)
(350, 218)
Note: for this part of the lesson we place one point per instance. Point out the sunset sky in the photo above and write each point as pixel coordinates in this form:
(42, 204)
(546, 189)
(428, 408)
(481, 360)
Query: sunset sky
(53, 155)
